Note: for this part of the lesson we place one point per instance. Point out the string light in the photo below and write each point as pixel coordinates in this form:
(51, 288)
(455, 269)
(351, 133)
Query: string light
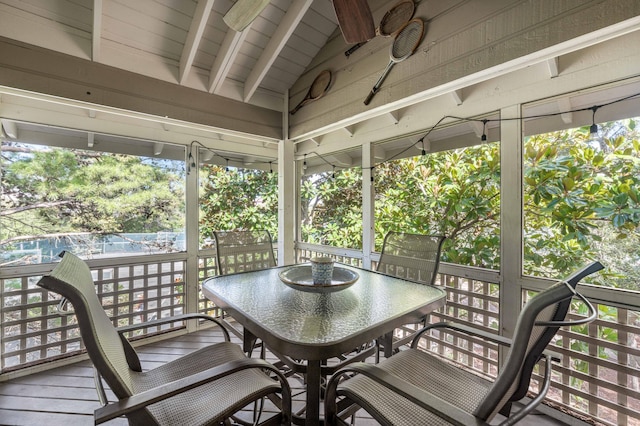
(483, 138)
(424, 152)
(210, 153)
(593, 130)
(304, 163)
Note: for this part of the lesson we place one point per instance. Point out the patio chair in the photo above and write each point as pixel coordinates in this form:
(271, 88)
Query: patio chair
(207, 386)
(414, 257)
(241, 251)
(416, 387)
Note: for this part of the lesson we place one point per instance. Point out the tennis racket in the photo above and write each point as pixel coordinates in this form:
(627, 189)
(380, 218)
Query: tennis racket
(391, 22)
(318, 88)
(405, 43)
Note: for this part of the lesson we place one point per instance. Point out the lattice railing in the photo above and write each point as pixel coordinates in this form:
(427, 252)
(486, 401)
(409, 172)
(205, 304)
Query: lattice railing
(206, 268)
(599, 375)
(33, 331)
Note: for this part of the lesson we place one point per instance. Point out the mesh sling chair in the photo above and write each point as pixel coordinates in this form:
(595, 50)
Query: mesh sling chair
(415, 387)
(207, 386)
(242, 251)
(414, 257)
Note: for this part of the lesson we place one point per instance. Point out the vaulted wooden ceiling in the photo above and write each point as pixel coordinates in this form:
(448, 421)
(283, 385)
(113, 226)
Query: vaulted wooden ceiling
(476, 56)
(182, 41)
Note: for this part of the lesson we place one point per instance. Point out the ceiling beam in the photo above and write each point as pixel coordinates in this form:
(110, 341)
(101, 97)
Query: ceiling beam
(225, 59)
(96, 36)
(198, 24)
(280, 38)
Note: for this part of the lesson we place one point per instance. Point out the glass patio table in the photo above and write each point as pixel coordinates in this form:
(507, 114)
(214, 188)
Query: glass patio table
(316, 326)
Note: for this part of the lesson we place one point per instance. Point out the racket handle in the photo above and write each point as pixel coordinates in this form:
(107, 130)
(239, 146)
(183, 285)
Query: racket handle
(354, 48)
(293, 111)
(300, 105)
(370, 96)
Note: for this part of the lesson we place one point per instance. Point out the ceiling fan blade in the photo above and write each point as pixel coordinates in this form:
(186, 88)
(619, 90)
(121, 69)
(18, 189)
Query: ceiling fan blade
(243, 12)
(355, 19)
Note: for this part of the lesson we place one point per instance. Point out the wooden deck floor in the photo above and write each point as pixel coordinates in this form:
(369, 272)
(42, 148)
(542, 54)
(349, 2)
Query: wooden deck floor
(66, 395)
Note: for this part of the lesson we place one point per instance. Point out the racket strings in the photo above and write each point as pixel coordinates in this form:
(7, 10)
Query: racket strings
(396, 17)
(407, 40)
(319, 85)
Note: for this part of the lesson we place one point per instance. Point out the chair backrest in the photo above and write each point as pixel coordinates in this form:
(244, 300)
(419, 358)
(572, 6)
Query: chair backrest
(240, 251)
(72, 279)
(413, 257)
(537, 324)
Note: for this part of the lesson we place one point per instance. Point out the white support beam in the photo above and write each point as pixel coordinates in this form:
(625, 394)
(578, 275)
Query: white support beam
(368, 204)
(92, 113)
(96, 35)
(511, 224)
(157, 148)
(287, 26)
(393, 116)
(477, 128)
(379, 154)
(457, 96)
(10, 129)
(340, 159)
(91, 139)
(426, 144)
(288, 185)
(317, 140)
(349, 130)
(552, 66)
(225, 58)
(564, 104)
(198, 24)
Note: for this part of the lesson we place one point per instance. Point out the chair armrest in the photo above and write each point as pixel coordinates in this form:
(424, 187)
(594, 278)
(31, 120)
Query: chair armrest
(141, 400)
(464, 329)
(182, 317)
(428, 401)
(549, 356)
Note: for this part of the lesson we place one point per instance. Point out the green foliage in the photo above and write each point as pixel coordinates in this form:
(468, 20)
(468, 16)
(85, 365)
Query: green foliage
(582, 202)
(237, 199)
(331, 208)
(454, 193)
(56, 191)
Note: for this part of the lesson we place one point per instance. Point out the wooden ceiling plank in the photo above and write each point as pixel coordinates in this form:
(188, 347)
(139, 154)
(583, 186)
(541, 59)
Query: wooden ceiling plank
(286, 28)
(198, 24)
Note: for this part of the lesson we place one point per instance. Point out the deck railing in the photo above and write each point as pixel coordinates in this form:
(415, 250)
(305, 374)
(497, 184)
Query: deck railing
(598, 377)
(132, 290)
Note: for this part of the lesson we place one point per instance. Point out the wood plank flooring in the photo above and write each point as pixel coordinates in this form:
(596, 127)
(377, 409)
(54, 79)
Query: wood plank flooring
(66, 395)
